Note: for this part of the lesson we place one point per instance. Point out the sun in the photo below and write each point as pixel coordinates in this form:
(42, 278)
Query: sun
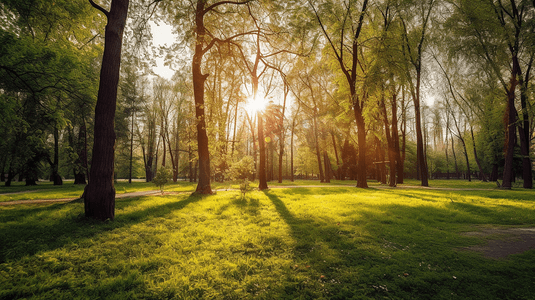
(255, 105)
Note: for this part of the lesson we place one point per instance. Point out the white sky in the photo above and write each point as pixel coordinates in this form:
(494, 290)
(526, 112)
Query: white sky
(162, 35)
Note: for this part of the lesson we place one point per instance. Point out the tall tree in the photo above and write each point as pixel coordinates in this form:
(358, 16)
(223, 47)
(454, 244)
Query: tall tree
(415, 41)
(204, 41)
(99, 194)
(348, 43)
(500, 35)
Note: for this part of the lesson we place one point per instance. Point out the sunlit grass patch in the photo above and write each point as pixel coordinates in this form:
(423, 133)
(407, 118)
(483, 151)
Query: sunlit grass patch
(309, 243)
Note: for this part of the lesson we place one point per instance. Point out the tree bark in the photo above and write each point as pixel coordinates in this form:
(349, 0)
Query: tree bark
(262, 185)
(56, 178)
(483, 176)
(510, 127)
(204, 185)
(361, 168)
(327, 163)
(99, 194)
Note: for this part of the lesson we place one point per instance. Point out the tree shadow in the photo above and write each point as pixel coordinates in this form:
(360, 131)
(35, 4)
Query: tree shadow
(246, 204)
(30, 230)
(314, 238)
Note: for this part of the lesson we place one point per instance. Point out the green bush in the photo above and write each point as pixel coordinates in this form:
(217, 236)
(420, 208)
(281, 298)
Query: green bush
(162, 177)
(242, 170)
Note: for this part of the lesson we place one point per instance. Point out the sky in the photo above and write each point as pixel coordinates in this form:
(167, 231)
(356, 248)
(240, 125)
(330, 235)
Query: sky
(162, 35)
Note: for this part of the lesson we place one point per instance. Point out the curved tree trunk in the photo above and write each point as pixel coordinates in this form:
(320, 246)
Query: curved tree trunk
(483, 176)
(99, 194)
(203, 186)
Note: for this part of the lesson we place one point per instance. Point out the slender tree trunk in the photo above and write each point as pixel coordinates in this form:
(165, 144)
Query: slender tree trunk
(401, 170)
(327, 162)
(483, 176)
(55, 168)
(422, 163)
(524, 129)
(390, 141)
(131, 148)
(99, 194)
(454, 157)
(317, 146)
(262, 185)
(336, 155)
(204, 185)
(361, 168)
(510, 132)
(281, 126)
(466, 157)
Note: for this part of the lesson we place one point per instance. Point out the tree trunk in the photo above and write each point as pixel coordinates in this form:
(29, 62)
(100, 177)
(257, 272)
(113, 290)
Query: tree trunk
(56, 178)
(262, 185)
(361, 127)
(467, 161)
(99, 194)
(454, 157)
(317, 146)
(327, 162)
(131, 148)
(203, 186)
(292, 153)
(483, 176)
(510, 131)
(422, 163)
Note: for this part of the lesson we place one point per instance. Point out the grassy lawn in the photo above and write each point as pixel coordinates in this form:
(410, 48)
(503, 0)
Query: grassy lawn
(295, 243)
(46, 190)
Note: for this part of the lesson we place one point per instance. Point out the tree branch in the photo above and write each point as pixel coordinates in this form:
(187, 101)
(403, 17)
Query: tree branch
(211, 7)
(105, 12)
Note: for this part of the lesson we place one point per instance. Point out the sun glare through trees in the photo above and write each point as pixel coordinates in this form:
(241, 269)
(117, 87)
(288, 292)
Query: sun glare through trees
(367, 90)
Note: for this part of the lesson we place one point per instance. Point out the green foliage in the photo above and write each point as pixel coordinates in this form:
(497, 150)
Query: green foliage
(242, 170)
(163, 175)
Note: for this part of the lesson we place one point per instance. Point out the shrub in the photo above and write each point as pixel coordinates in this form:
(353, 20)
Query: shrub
(162, 177)
(242, 170)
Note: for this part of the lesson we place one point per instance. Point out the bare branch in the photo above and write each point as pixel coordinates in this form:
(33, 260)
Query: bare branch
(105, 12)
(211, 7)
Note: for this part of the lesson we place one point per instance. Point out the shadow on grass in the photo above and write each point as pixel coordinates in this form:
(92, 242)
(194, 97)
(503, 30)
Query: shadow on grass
(246, 204)
(420, 241)
(330, 252)
(29, 230)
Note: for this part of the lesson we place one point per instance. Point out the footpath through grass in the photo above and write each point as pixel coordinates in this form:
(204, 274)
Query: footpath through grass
(295, 243)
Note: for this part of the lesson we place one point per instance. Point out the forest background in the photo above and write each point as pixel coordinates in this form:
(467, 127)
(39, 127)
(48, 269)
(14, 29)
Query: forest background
(365, 90)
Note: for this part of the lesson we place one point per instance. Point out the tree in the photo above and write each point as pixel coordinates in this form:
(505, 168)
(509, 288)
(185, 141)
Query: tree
(414, 46)
(500, 36)
(353, 23)
(99, 194)
(203, 43)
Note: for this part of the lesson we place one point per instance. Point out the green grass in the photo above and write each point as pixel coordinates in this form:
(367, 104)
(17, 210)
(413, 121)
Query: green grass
(296, 243)
(46, 190)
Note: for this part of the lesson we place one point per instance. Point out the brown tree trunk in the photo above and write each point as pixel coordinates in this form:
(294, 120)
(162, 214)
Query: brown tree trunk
(317, 146)
(262, 185)
(327, 163)
(454, 157)
(99, 194)
(483, 176)
(422, 162)
(56, 178)
(361, 168)
(203, 186)
(510, 131)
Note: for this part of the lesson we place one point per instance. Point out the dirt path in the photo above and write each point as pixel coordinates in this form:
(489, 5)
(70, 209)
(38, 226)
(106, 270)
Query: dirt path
(40, 201)
(502, 242)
